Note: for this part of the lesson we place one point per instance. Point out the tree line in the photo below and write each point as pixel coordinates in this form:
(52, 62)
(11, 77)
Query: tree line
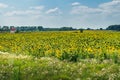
(41, 28)
(113, 27)
(33, 28)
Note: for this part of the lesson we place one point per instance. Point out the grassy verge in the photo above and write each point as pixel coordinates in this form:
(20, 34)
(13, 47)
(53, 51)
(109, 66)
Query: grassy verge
(21, 67)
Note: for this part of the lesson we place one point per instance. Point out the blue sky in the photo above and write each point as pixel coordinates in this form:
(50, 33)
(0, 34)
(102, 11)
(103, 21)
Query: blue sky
(59, 13)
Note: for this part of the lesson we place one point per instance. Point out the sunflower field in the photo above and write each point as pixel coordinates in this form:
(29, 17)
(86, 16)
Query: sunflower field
(60, 55)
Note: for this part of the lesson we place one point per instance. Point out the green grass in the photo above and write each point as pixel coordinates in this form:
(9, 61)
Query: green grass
(15, 67)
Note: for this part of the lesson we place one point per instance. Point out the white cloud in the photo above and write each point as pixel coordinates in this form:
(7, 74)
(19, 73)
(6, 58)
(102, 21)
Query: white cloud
(37, 7)
(104, 15)
(84, 10)
(106, 8)
(54, 10)
(19, 13)
(3, 5)
(110, 4)
(75, 4)
(110, 7)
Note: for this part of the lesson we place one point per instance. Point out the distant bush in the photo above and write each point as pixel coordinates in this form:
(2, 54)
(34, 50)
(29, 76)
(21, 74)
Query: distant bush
(81, 30)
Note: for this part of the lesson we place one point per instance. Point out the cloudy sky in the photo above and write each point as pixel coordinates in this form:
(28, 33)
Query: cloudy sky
(59, 13)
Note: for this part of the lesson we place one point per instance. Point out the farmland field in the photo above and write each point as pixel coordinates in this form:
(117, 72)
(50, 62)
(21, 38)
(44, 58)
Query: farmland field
(68, 55)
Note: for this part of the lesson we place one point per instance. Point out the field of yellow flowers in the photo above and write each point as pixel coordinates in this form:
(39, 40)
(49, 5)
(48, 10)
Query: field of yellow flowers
(68, 55)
